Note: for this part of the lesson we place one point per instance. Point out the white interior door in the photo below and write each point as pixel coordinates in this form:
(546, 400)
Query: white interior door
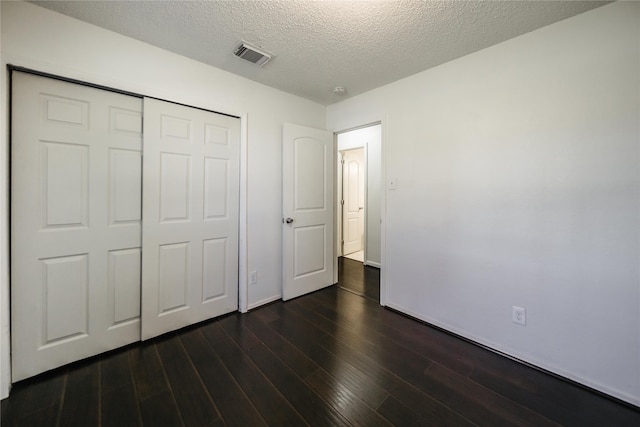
(75, 222)
(353, 188)
(190, 216)
(308, 157)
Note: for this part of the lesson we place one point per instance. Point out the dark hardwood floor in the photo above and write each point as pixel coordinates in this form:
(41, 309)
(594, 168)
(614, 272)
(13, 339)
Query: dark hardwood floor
(331, 358)
(360, 279)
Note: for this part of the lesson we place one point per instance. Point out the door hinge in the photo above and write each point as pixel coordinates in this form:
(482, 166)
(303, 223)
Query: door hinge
(342, 202)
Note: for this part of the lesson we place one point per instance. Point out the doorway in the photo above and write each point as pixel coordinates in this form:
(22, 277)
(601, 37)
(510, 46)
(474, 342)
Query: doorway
(358, 213)
(361, 208)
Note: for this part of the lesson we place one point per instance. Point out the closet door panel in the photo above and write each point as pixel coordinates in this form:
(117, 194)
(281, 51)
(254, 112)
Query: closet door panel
(75, 222)
(190, 216)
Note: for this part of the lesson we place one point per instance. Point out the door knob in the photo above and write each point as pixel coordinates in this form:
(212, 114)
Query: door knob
(288, 220)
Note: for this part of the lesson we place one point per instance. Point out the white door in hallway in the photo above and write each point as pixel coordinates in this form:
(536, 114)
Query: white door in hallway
(190, 216)
(75, 222)
(353, 189)
(308, 248)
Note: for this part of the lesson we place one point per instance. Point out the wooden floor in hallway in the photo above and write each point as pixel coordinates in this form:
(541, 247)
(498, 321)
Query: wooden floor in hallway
(331, 358)
(358, 278)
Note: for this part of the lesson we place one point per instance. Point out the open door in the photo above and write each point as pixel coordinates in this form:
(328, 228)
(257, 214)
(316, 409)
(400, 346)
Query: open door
(353, 195)
(307, 180)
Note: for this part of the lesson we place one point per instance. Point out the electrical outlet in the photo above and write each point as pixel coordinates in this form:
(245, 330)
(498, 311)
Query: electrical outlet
(253, 277)
(519, 315)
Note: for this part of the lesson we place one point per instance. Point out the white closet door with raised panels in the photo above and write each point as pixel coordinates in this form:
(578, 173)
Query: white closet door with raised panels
(190, 216)
(75, 224)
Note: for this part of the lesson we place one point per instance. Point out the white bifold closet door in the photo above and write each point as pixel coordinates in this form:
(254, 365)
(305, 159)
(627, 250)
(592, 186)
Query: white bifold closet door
(75, 222)
(94, 264)
(190, 216)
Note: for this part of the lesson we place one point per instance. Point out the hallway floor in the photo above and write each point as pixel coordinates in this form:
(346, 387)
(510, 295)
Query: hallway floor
(356, 256)
(358, 278)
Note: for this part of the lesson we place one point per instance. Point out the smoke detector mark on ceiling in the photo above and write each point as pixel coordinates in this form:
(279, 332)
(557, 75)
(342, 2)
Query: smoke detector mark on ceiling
(252, 54)
(340, 90)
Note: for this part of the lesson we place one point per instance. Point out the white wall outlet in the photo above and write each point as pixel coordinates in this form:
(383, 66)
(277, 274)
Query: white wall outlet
(253, 277)
(519, 315)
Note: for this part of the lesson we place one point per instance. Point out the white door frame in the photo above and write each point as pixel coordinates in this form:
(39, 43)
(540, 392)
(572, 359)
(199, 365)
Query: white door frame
(383, 203)
(5, 238)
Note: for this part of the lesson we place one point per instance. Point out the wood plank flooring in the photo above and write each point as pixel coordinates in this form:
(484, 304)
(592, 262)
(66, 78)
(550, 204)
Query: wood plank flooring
(360, 279)
(332, 358)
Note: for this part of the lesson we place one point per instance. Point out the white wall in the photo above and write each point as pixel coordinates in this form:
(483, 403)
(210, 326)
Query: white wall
(36, 38)
(518, 184)
(371, 138)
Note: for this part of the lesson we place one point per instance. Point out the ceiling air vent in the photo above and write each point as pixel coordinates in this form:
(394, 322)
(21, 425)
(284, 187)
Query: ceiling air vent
(252, 54)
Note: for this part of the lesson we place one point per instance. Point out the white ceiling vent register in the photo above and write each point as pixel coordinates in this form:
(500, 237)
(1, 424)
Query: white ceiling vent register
(252, 54)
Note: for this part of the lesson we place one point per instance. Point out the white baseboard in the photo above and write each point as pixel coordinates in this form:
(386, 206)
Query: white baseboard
(520, 357)
(264, 301)
(373, 264)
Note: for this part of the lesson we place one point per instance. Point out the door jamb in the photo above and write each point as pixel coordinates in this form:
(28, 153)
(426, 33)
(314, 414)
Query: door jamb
(243, 246)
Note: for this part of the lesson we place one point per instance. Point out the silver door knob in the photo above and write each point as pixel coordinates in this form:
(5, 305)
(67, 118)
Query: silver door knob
(288, 220)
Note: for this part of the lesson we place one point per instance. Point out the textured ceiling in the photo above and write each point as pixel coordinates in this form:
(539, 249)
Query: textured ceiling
(322, 44)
